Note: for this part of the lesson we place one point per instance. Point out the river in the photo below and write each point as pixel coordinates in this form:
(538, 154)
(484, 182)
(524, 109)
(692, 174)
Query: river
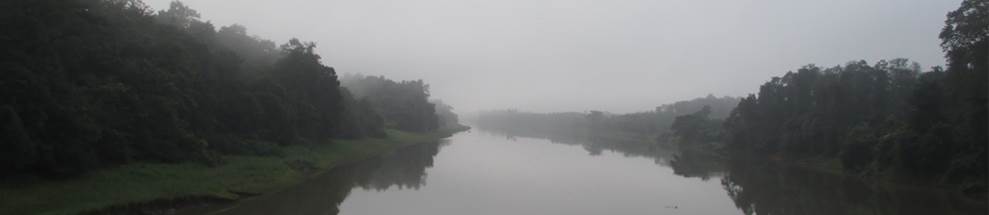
(483, 172)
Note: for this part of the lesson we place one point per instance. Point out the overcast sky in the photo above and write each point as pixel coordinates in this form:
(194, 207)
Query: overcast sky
(578, 55)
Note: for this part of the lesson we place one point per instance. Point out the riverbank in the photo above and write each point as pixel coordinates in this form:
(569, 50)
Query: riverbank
(150, 185)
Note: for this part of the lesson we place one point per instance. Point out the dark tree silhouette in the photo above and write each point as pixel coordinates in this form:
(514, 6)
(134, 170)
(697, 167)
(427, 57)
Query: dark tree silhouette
(93, 83)
(884, 118)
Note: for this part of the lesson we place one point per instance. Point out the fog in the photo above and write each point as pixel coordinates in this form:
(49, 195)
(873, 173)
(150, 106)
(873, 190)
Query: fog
(352, 107)
(618, 56)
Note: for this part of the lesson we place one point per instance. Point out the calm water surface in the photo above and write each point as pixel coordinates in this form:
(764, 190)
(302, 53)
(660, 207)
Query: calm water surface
(486, 173)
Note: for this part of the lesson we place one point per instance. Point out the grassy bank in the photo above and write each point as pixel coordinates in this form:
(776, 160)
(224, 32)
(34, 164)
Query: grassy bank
(237, 177)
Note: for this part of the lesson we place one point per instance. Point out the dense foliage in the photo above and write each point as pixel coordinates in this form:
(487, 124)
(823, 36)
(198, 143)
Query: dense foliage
(404, 104)
(91, 83)
(697, 127)
(888, 117)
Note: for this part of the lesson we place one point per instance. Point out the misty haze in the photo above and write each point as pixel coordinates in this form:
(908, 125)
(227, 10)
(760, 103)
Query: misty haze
(373, 107)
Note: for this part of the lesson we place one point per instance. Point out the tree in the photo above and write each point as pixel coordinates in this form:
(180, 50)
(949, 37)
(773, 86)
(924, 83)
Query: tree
(95, 83)
(178, 15)
(883, 117)
(697, 127)
(404, 105)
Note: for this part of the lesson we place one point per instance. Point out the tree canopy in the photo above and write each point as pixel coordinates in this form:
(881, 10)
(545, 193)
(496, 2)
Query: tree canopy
(886, 118)
(94, 83)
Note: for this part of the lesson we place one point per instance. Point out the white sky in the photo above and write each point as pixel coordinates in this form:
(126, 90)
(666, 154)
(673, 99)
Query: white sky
(577, 55)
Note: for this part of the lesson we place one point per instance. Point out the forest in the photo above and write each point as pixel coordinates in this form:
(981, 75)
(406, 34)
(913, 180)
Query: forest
(90, 84)
(891, 119)
(112, 107)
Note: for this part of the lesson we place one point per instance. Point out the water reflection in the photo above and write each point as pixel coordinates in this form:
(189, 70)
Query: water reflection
(684, 162)
(762, 187)
(595, 143)
(498, 173)
(403, 169)
(697, 163)
(759, 187)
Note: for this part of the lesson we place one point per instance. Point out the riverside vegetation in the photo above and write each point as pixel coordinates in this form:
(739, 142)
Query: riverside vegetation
(108, 106)
(891, 120)
(105, 102)
(148, 188)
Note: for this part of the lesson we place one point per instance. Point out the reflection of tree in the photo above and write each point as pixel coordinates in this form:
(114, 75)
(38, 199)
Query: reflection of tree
(763, 188)
(760, 187)
(697, 163)
(686, 162)
(405, 168)
(596, 142)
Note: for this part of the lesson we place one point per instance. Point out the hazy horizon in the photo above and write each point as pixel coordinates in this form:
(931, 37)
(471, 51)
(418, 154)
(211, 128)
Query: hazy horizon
(590, 55)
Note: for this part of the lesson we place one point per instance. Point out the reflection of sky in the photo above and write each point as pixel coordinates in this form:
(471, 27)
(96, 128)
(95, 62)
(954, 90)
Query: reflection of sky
(485, 173)
(480, 173)
(661, 153)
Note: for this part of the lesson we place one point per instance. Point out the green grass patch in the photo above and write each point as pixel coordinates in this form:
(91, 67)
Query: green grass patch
(145, 182)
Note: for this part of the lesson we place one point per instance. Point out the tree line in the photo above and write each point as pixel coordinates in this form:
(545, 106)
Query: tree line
(655, 122)
(96, 83)
(405, 104)
(889, 118)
